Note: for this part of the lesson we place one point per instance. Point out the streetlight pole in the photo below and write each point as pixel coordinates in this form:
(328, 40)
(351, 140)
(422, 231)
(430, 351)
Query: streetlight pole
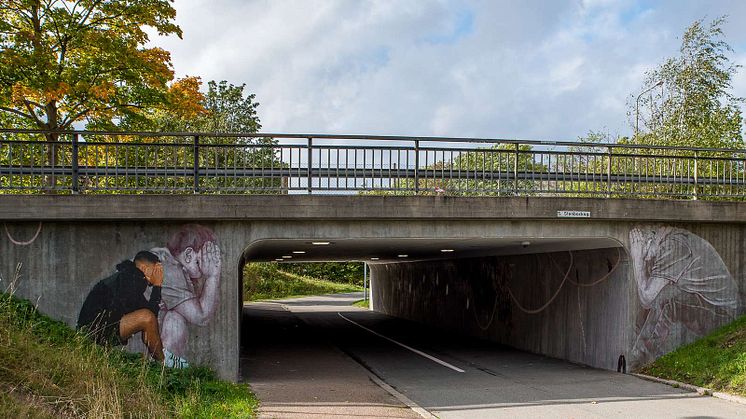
(637, 106)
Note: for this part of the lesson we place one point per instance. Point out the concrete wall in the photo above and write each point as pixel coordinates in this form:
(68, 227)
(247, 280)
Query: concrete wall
(667, 286)
(569, 305)
(82, 238)
(67, 259)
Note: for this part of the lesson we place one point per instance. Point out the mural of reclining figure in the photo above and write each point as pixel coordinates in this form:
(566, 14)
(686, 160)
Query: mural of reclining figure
(190, 291)
(684, 287)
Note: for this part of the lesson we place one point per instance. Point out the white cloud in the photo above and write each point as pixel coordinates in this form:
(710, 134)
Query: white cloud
(487, 68)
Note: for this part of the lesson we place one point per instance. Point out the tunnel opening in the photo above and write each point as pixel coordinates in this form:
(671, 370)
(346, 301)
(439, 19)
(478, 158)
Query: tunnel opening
(560, 297)
(438, 307)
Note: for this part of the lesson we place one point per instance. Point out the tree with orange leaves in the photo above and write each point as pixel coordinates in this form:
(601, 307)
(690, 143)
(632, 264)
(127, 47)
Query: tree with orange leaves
(65, 62)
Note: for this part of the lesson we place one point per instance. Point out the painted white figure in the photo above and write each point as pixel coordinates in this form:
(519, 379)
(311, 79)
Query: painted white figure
(190, 291)
(684, 287)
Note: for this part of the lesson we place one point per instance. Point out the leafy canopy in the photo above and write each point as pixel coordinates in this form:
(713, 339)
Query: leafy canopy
(225, 108)
(694, 105)
(64, 61)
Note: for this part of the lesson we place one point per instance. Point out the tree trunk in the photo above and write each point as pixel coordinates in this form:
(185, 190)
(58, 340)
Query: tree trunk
(50, 181)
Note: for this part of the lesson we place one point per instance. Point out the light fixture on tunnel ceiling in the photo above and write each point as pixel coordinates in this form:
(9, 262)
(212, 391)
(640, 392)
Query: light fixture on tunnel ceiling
(403, 256)
(279, 259)
(299, 252)
(321, 243)
(287, 257)
(374, 258)
(446, 250)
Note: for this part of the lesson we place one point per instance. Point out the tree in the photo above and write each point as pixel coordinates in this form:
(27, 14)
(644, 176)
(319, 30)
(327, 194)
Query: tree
(227, 109)
(64, 61)
(694, 106)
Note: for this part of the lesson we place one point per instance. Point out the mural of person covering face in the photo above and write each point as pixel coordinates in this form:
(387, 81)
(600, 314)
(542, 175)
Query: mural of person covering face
(684, 287)
(190, 291)
(116, 307)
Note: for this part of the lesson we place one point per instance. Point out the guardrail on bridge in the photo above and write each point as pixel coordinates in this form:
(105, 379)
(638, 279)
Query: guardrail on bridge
(33, 161)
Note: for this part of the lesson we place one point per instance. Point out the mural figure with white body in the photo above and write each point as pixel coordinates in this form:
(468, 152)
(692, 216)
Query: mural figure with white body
(190, 291)
(684, 288)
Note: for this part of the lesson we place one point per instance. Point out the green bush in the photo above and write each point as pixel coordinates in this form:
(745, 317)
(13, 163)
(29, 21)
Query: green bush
(341, 272)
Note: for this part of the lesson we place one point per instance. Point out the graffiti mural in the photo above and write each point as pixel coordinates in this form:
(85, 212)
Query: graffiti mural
(684, 288)
(159, 293)
(116, 308)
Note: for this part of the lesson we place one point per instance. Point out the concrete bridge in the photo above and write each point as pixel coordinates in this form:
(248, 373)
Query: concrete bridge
(582, 279)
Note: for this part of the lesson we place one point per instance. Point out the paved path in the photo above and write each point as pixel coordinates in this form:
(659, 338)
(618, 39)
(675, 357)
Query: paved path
(296, 373)
(424, 365)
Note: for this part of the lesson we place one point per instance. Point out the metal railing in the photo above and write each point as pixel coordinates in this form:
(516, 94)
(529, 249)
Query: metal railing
(144, 162)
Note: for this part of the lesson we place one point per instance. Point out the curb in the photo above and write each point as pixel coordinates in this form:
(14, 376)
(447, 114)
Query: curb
(699, 390)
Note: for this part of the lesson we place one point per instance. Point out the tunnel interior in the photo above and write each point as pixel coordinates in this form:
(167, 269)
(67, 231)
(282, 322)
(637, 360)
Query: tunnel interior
(566, 298)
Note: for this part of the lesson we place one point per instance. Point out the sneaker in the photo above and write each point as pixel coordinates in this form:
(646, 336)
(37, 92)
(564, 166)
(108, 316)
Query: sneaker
(171, 360)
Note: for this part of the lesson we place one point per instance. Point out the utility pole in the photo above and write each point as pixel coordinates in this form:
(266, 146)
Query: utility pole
(365, 281)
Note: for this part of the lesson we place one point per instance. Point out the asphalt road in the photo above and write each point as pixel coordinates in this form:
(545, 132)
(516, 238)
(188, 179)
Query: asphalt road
(298, 357)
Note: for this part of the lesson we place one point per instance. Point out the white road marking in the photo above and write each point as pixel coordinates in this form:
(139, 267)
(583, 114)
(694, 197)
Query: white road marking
(418, 352)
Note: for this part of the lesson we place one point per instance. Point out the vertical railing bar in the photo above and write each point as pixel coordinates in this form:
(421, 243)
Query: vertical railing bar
(696, 175)
(75, 185)
(416, 166)
(195, 168)
(309, 187)
(515, 169)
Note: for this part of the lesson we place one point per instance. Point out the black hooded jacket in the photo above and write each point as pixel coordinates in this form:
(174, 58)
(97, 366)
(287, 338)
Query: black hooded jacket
(113, 297)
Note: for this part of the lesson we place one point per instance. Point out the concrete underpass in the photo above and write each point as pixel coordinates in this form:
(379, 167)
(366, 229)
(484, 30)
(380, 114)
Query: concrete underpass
(566, 298)
(522, 273)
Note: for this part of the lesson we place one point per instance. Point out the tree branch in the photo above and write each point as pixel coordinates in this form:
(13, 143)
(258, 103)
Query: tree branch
(16, 112)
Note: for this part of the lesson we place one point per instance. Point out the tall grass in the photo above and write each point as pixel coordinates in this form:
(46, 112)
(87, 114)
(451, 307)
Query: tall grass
(50, 370)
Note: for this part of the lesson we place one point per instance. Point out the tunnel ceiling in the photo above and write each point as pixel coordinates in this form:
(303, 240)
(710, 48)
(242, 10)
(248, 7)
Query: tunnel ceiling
(389, 250)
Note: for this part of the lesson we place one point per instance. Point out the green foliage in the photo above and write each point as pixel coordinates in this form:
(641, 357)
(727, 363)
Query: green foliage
(478, 172)
(717, 361)
(67, 61)
(263, 281)
(340, 272)
(49, 370)
(694, 106)
(226, 110)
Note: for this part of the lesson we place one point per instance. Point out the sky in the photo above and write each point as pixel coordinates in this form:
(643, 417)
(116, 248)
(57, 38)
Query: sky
(492, 69)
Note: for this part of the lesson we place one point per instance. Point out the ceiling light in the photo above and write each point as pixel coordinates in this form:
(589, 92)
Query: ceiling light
(279, 259)
(287, 257)
(446, 250)
(299, 252)
(374, 258)
(321, 243)
(403, 256)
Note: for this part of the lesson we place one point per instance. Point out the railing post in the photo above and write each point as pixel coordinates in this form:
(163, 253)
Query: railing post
(608, 172)
(309, 149)
(416, 166)
(196, 164)
(515, 169)
(696, 175)
(75, 184)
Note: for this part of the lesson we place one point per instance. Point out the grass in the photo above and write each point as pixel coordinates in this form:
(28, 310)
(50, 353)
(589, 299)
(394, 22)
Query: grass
(362, 303)
(717, 361)
(50, 370)
(263, 281)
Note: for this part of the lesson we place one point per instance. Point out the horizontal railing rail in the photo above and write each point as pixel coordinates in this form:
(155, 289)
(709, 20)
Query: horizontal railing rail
(33, 161)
